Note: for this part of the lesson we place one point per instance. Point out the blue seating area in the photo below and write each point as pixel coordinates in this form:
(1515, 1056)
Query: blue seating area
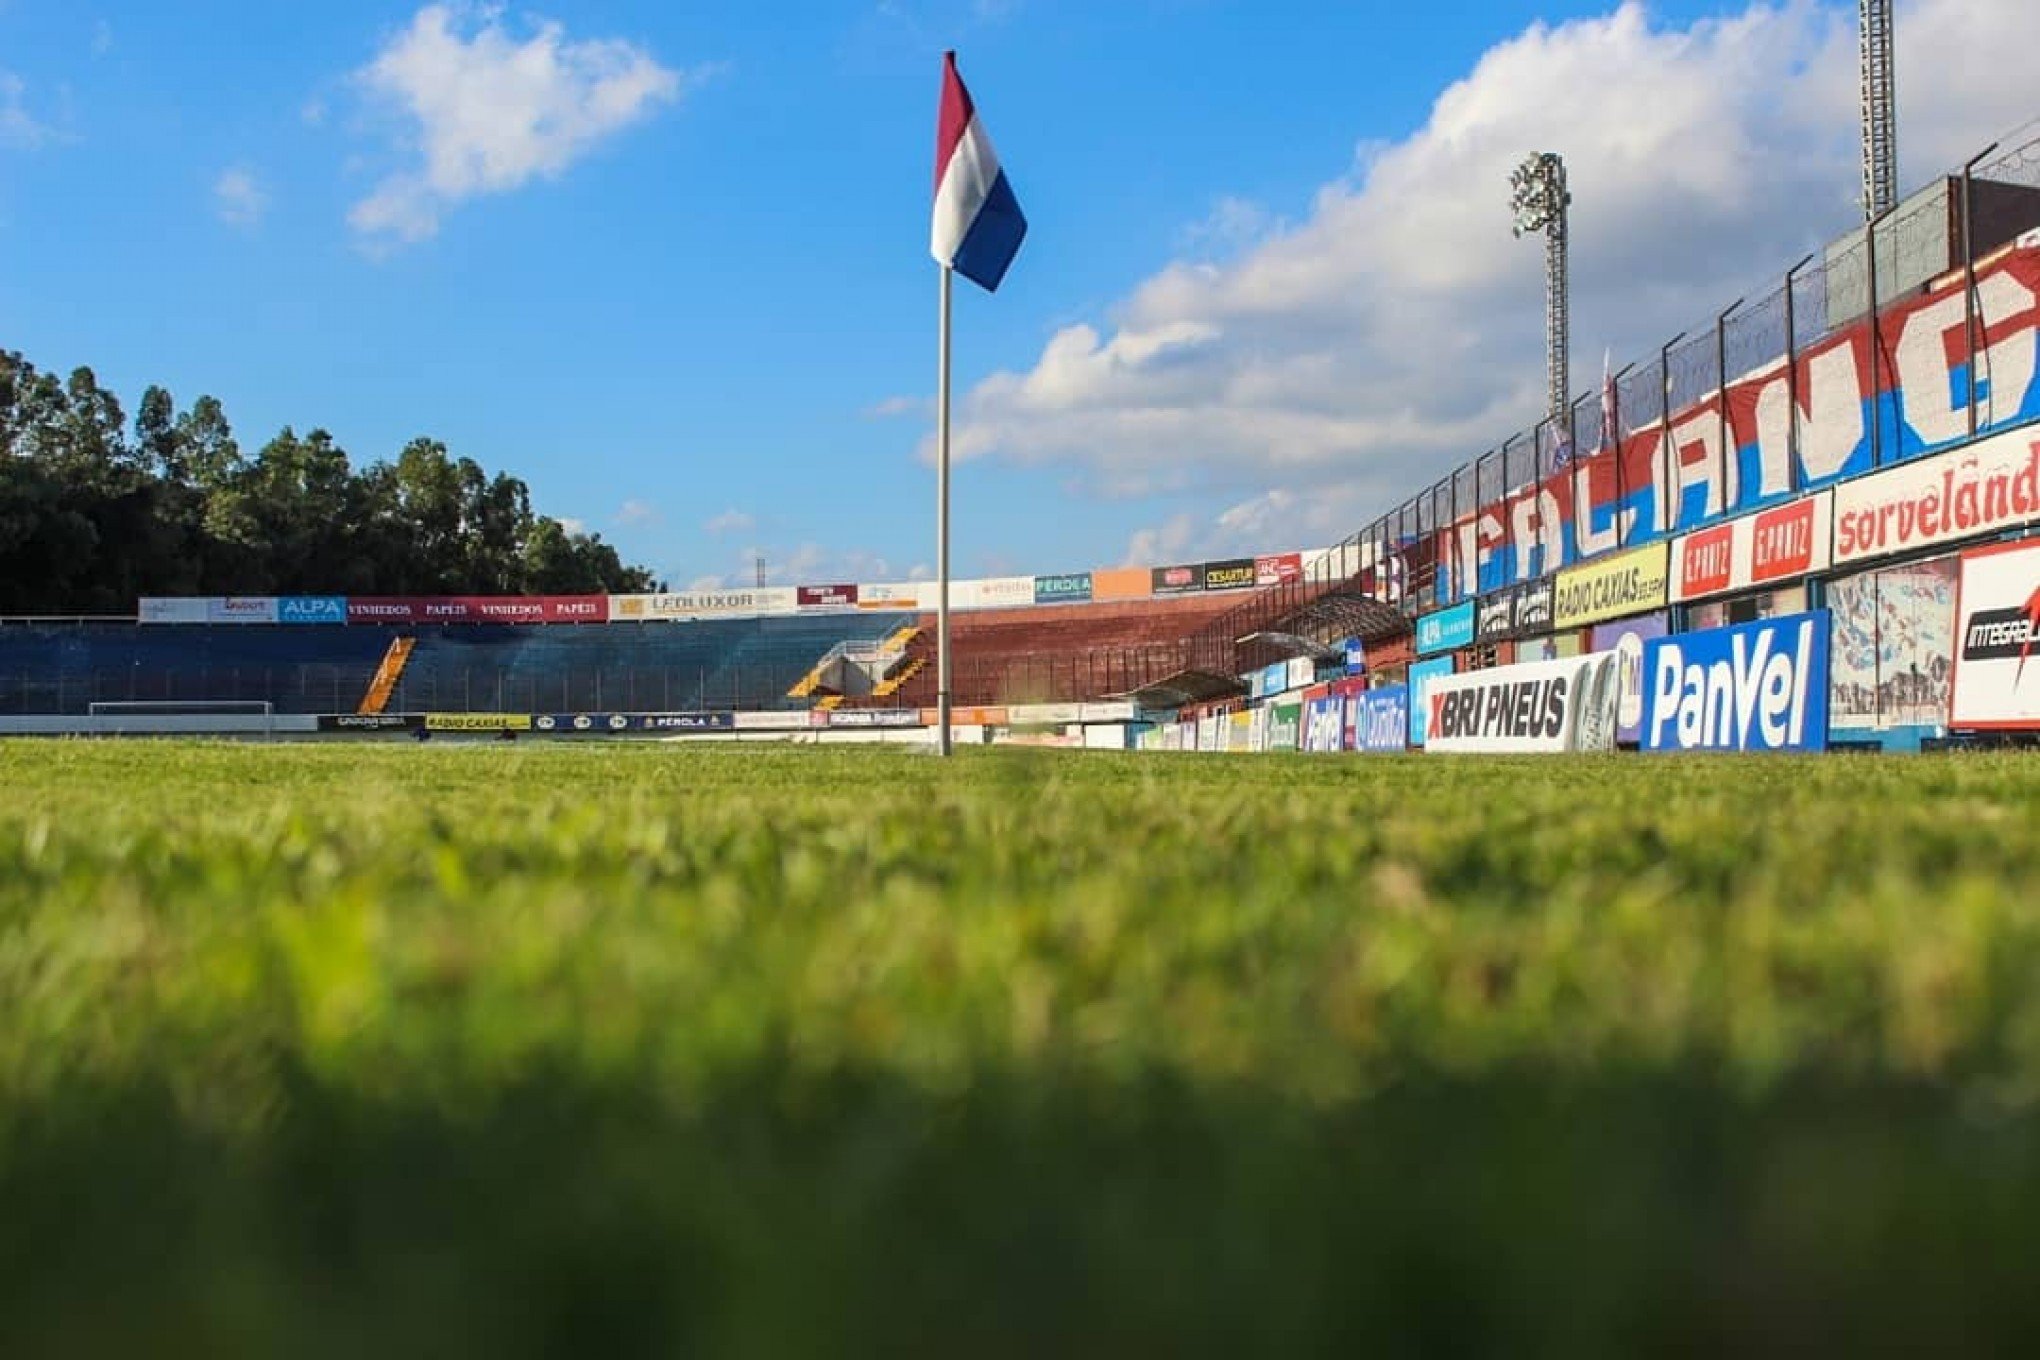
(64, 668)
(563, 668)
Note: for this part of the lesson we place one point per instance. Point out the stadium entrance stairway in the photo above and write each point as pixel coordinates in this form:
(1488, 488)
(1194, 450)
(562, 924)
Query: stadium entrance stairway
(387, 675)
(861, 669)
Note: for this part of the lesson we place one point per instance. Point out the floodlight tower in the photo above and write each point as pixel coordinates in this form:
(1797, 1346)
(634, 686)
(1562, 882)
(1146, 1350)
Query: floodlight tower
(1540, 200)
(1880, 111)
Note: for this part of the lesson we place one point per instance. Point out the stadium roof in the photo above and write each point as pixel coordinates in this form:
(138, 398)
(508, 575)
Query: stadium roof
(1185, 687)
(1340, 612)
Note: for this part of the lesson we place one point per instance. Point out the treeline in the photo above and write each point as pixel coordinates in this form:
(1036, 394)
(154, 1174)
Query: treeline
(96, 512)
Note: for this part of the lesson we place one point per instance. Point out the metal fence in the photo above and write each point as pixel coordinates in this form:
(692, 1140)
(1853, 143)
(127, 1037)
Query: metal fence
(1948, 225)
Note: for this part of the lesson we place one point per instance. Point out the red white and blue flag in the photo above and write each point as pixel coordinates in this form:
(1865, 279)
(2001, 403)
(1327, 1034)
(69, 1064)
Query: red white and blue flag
(978, 223)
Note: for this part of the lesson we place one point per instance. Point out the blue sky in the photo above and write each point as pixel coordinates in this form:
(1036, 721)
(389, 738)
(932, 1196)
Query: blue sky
(669, 263)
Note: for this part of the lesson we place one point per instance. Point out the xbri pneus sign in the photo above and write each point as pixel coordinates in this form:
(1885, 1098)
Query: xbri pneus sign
(1997, 639)
(1565, 705)
(1758, 687)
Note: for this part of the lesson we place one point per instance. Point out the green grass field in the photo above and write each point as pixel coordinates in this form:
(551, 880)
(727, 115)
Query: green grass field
(521, 1050)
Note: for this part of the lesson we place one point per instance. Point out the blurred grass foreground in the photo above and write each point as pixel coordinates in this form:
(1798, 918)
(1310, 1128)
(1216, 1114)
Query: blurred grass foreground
(644, 1050)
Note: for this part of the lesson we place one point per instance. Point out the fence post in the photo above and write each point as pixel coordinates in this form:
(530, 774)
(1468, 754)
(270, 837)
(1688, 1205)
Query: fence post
(1723, 435)
(1969, 272)
(1792, 477)
(1668, 514)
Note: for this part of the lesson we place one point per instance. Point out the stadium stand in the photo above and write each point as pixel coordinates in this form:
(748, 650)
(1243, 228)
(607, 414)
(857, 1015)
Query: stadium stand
(64, 668)
(1054, 653)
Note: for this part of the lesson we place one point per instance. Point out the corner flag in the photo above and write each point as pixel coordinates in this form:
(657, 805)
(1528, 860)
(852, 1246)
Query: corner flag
(978, 223)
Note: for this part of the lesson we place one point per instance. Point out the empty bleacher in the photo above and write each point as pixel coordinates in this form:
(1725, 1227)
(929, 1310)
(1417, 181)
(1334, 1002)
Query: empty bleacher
(622, 667)
(1056, 653)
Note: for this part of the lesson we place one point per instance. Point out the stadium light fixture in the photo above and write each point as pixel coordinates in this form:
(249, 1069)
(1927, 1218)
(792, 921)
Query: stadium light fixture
(1539, 199)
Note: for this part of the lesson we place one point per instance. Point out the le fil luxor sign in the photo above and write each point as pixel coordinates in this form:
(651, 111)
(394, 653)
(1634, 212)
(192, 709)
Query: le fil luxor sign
(1627, 583)
(1997, 652)
(1757, 687)
(1540, 706)
(1782, 543)
(1977, 489)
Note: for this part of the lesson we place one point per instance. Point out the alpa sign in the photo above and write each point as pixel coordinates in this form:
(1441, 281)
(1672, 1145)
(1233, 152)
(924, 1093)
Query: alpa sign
(1757, 687)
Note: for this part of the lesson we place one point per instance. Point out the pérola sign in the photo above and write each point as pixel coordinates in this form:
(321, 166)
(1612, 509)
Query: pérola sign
(1540, 706)
(1756, 687)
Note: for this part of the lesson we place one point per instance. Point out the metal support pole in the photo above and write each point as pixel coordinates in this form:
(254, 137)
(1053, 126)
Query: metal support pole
(1792, 375)
(1668, 518)
(942, 658)
(1969, 298)
(1723, 435)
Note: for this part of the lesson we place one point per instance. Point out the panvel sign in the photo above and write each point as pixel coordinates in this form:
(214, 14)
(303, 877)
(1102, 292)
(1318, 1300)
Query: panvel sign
(1978, 489)
(1447, 630)
(1783, 543)
(1757, 687)
(1997, 651)
(1324, 723)
(1384, 719)
(1542, 706)
(1628, 583)
(1661, 481)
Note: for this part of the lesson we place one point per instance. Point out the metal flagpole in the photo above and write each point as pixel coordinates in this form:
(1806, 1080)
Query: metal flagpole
(942, 518)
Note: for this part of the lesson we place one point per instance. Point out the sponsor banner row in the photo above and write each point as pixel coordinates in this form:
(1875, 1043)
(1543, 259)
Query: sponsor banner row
(1539, 706)
(1846, 403)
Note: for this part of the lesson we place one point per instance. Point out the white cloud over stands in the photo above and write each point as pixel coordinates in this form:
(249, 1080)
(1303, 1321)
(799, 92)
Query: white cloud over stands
(481, 111)
(1326, 370)
(731, 521)
(19, 129)
(636, 514)
(239, 198)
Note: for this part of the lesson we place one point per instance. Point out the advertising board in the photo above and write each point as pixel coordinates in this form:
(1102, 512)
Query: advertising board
(1302, 672)
(877, 717)
(1447, 630)
(1071, 588)
(701, 604)
(241, 609)
(1964, 493)
(1384, 720)
(1494, 616)
(581, 724)
(478, 722)
(478, 609)
(1627, 583)
(154, 609)
(1422, 675)
(1285, 726)
(1891, 656)
(1233, 574)
(685, 722)
(1997, 617)
(1178, 580)
(1324, 724)
(369, 722)
(1122, 583)
(992, 592)
(1756, 687)
(1626, 639)
(894, 594)
(1537, 707)
(841, 596)
(1273, 569)
(1782, 543)
(1353, 653)
(311, 609)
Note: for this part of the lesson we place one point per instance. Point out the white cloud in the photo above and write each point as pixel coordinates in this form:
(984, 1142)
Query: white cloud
(1334, 366)
(486, 113)
(239, 198)
(731, 521)
(102, 37)
(638, 514)
(19, 130)
(893, 408)
(573, 525)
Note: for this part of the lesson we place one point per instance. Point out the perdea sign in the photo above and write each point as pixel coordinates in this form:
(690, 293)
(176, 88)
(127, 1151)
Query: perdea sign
(1758, 687)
